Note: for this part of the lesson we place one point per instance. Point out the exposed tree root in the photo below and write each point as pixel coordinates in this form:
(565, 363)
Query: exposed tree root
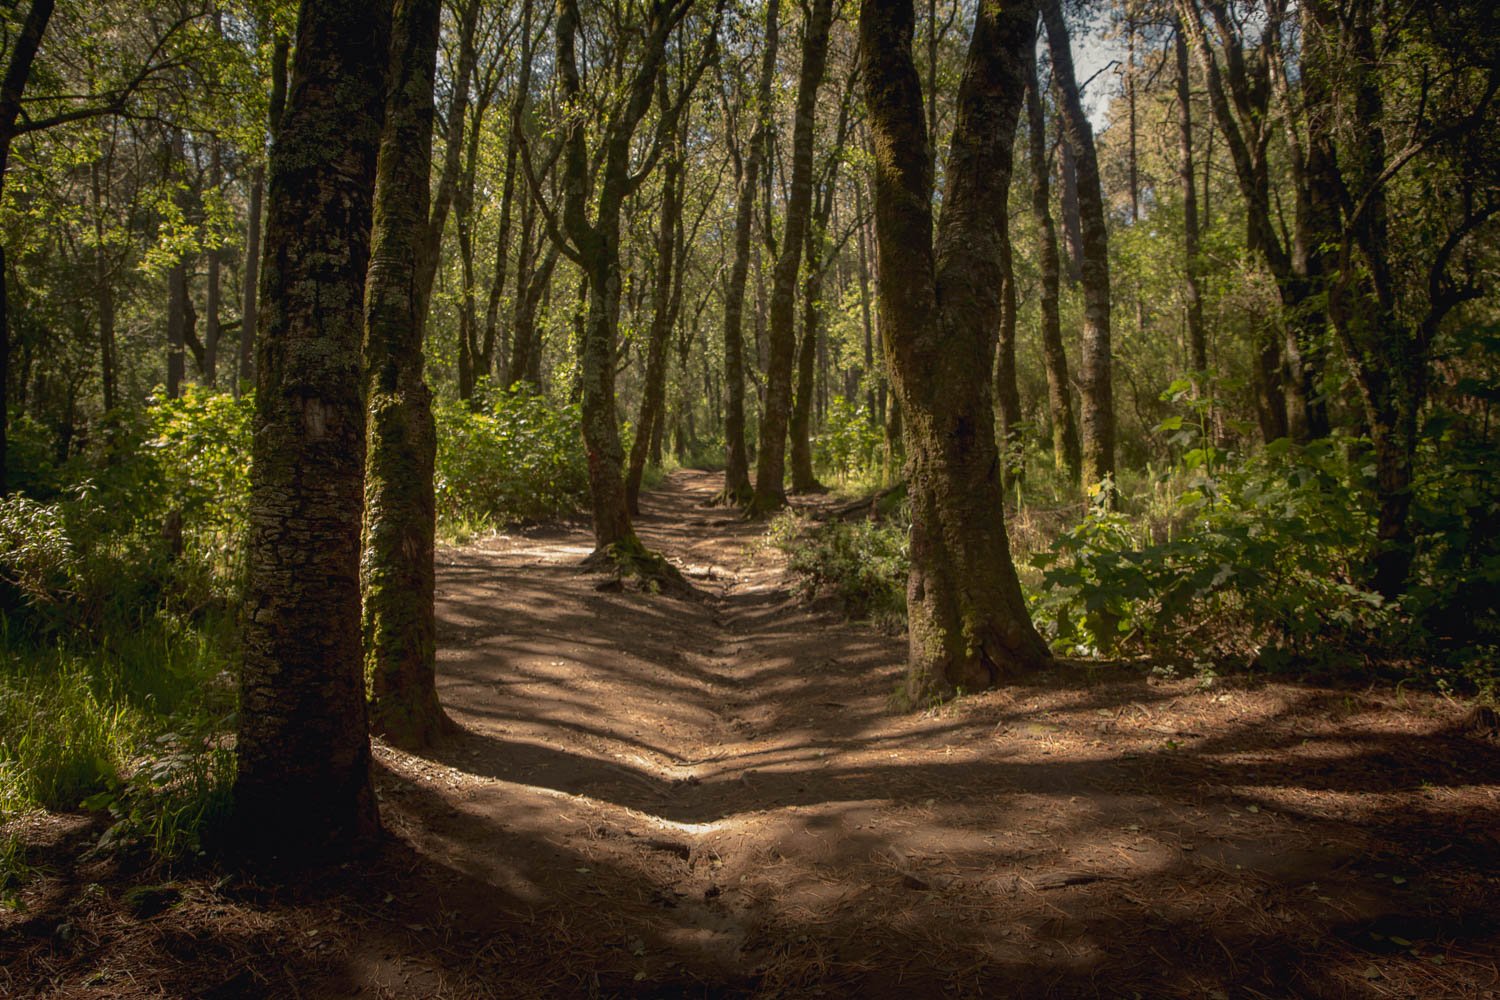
(630, 560)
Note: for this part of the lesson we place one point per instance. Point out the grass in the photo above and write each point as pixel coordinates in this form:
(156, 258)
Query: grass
(133, 724)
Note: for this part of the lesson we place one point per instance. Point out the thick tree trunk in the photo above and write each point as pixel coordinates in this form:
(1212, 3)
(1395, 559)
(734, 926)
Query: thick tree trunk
(1065, 453)
(770, 463)
(1097, 412)
(397, 569)
(939, 312)
(303, 787)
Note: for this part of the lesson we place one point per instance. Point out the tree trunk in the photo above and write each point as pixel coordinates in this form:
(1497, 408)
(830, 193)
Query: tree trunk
(397, 569)
(303, 787)
(804, 480)
(1097, 414)
(179, 303)
(1065, 453)
(940, 308)
(104, 294)
(1192, 264)
(737, 487)
(458, 112)
(211, 327)
(1007, 393)
(770, 464)
(250, 323)
(24, 45)
(654, 391)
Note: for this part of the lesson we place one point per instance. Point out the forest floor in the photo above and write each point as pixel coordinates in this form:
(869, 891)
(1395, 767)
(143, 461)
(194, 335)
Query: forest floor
(708, 795)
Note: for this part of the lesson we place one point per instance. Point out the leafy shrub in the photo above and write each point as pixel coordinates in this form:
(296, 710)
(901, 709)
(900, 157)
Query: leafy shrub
(865, 563)
(516, 458)
(1269, 555)
(849, 443)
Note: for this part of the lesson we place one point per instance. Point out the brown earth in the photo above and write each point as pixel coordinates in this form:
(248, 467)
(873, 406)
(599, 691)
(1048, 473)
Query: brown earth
(659, 795)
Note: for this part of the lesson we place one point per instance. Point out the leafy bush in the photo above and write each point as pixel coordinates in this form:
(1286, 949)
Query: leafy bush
(1268, 556)
(864, 562)
(516, 458)
(849, 443)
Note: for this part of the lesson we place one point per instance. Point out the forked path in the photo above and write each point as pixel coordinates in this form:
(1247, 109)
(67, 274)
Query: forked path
(657, 795)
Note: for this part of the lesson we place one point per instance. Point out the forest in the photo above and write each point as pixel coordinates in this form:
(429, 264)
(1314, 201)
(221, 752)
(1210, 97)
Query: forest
(750, 498)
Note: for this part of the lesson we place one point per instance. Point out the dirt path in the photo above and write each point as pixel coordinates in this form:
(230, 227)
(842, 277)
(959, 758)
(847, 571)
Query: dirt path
(662, 796)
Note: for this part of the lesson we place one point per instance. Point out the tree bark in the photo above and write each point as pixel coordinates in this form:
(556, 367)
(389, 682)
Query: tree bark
(1097, 412)
(737, 487)
(250, 322)
(303, 787)
(1007, 392)
(104, 293)
(595, 245)
(770, 460)
(654, 391)
(397, 568)
(940, 308)
(17, 73)
(1192, 264)
(1065, 453)
(211, 322)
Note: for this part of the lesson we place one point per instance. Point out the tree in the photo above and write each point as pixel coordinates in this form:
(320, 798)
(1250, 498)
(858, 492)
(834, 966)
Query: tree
(303, 781)
(397, 568)
(1240, 85)
(1065, 453)
(595, 244)
(737, 487)
(940, 308)
(770, 461)
(12, 88)
(665, 304)
(1097, 412)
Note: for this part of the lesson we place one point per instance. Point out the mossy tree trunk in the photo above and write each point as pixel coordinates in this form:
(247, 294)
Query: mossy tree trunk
(1065, 453)
(737, 488)
(595, 244)
(813, 344)
(397, 568)
(1096, 379)
(303, 788)
(663, 315)
(770, 459)
(940, 308)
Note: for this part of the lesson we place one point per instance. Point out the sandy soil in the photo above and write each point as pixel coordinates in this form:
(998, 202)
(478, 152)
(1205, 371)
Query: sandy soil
(658, 795)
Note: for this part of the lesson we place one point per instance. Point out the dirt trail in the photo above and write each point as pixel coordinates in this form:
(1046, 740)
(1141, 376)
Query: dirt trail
(662, 796)
(714, 794)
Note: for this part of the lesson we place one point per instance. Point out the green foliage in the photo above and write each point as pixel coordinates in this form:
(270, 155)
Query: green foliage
(156, 522)
(517, 457)
(849, 444)
(865, 563)
(119, 577)
(1263, 557)
(59, 740)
